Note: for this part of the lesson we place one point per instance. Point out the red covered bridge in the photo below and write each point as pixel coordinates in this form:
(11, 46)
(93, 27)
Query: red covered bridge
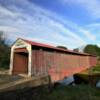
(34, 59)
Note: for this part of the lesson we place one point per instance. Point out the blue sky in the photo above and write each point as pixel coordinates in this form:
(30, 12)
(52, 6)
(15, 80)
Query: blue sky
(71, 23)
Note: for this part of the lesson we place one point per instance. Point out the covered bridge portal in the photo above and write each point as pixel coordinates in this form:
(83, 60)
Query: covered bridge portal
(33, 58)
(20, 60)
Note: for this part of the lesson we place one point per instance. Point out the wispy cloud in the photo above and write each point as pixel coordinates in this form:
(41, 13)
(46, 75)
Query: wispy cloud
(95, 28)
(82, 30)
(39, 24)
(8, 29)
(92, 6)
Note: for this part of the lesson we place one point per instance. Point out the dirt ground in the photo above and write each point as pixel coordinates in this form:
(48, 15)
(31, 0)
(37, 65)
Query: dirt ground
(5, 78)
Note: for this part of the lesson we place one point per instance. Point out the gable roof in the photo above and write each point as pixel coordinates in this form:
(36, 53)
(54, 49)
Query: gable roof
(54, 48)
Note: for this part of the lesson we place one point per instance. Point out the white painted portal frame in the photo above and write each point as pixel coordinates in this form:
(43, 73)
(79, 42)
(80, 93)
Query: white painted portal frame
(21, 44)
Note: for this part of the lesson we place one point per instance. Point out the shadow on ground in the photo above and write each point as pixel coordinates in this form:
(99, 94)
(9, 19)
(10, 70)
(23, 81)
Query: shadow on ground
(79, 92)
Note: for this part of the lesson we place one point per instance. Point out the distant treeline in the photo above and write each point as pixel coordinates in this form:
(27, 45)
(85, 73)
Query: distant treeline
(4, 52)
(93, 49)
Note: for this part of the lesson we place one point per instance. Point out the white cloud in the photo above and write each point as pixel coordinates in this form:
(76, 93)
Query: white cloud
(88, 34)
(4, 12)
(37, 24)
(8, 29)
(92, 6)
(85, 31)
(94, 28)
(93, 25)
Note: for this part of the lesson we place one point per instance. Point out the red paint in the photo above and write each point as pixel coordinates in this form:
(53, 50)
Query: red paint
(54, 48)
(58, 63)
(20, 63)
(21, 50)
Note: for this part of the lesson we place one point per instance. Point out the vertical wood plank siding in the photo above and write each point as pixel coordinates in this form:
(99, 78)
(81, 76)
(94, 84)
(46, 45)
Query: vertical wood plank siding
(59, 65)
(93, 60)
(20, 64)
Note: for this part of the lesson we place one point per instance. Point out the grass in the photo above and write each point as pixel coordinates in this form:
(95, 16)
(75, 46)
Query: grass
(96, 69)
(80, 92)
(93, 70)
(91, 75)
(60, 92)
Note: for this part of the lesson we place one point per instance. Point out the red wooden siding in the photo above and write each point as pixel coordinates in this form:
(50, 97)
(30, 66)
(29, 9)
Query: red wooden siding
(58, 64)
(93, 60)
(21, 50)
(20, 64)
(20, 59)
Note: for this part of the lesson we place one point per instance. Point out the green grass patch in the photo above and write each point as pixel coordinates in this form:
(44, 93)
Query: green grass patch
(91, 75)
(80, 92)
(96, 69)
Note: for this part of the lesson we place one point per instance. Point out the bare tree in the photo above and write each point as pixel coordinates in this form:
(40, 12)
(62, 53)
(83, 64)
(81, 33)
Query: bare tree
(2, 37)
(4, 51)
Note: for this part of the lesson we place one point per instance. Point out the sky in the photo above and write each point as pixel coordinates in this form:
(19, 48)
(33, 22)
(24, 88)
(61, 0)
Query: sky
(70, 23)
